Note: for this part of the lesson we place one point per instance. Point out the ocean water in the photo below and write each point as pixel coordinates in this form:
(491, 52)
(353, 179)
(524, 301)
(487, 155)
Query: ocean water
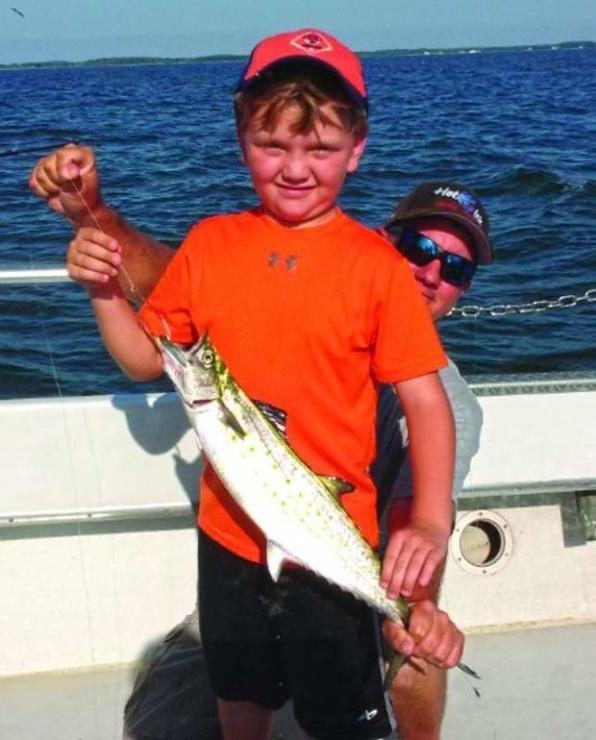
(517, 126)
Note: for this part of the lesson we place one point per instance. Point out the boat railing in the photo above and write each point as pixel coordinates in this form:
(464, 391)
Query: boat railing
(24, 276)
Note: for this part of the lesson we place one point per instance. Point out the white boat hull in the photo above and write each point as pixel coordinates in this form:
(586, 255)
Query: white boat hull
(98, 553)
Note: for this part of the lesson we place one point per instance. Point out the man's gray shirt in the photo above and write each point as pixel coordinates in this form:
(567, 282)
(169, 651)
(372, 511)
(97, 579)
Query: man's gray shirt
(391, 470)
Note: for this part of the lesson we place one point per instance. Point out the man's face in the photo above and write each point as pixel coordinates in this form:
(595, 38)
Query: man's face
(298, 176)
(441, 296)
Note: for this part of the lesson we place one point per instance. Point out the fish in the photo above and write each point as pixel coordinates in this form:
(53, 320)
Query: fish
(298, 511)
(18, 12)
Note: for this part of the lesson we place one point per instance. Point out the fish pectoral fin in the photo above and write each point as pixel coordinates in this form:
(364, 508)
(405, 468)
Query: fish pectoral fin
(276, 557)
(232, 421)
(336, 485)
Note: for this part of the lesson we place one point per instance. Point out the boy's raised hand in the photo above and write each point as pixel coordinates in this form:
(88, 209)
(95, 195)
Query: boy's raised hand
(67, 180)
(93, 258)
(412, 556)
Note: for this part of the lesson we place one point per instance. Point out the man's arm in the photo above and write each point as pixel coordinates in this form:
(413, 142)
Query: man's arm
(67, 179)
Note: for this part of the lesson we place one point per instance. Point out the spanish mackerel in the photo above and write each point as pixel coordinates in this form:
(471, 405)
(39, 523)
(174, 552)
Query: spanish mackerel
(298, 511)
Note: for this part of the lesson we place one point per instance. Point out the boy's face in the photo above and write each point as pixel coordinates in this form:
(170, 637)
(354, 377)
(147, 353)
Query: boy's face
(441, 296)
(298, 176)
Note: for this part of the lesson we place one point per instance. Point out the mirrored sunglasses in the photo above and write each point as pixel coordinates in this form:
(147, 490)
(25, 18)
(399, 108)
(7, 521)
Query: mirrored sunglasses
(420, 250)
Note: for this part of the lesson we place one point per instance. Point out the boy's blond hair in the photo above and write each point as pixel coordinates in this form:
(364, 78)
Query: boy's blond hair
(298, 85)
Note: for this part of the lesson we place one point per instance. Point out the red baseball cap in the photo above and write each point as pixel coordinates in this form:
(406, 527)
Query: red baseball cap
(308, 43)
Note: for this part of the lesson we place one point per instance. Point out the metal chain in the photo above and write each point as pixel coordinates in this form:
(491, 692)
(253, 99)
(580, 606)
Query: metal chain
(504, 309)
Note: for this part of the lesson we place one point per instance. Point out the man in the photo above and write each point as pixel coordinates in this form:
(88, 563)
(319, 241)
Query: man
(448, 215)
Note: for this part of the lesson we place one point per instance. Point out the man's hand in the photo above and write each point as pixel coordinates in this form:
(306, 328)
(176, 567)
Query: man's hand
(431, 635)
(67, 180)
(412, 556)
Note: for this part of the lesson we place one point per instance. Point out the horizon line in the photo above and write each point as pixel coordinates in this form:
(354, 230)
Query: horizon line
(233, 57)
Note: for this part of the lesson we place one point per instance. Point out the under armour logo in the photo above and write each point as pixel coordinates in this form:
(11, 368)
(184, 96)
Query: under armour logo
(289, 263)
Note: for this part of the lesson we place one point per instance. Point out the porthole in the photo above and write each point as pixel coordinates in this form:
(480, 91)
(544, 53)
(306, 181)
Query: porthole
(481, 542)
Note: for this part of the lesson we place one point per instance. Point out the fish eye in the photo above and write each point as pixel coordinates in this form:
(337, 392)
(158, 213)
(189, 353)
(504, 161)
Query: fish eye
(207, 358)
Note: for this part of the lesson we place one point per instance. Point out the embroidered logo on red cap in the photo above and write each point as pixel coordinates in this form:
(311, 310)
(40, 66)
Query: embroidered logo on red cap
(311, 42)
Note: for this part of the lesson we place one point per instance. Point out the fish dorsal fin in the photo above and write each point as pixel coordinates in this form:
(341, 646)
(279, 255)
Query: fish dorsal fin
(276, 557)
(336, 485)
(274, 415)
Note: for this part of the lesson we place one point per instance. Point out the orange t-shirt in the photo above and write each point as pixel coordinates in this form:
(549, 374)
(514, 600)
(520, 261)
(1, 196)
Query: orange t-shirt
(307, 320)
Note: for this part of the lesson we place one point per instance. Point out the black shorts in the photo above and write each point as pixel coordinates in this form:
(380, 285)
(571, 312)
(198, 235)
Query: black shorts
(299, 638)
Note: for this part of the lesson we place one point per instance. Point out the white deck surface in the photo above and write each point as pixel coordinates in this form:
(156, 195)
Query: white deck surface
(537, 684)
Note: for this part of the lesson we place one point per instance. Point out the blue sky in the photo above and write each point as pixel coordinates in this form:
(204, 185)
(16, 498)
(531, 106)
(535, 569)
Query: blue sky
(83, 29)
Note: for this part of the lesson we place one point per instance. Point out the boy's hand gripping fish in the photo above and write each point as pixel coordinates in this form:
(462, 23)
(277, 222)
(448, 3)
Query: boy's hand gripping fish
(297, 510)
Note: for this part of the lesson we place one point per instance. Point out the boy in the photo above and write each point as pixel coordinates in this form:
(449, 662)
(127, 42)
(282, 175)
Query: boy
(305, 306)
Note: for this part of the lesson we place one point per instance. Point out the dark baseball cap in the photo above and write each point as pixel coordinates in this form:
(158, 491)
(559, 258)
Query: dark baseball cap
(453, 201)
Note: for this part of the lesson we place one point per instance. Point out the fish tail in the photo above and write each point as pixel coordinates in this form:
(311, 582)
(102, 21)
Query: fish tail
(395, 663)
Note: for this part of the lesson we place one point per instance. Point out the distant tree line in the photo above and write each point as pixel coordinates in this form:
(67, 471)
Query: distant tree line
(123, 61)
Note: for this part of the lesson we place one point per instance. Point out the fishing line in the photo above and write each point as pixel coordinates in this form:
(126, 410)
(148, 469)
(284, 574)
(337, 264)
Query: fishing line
(131, 285)
(69, 448)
